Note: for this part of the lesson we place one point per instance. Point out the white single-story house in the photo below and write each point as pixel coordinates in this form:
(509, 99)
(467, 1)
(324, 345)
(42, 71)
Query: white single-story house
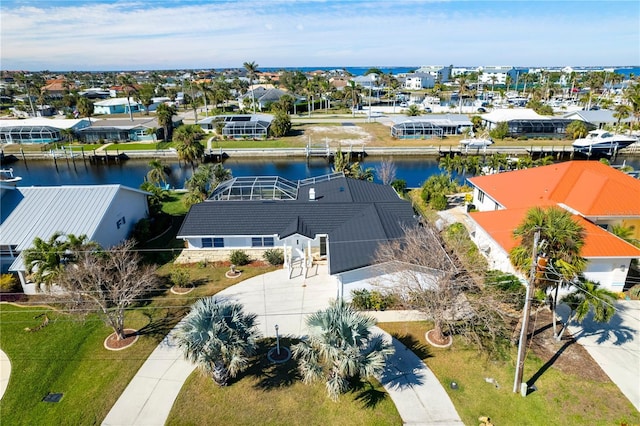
(117, 106)
(598, 118)
(239, 126)
(526, 122)
(597, 195)
(330, 219)
(123, 130)
(429, 126)
(106, 214)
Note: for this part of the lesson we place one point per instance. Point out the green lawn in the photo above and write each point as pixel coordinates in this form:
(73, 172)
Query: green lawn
(561, 399)
(268, 394)
(68, 356)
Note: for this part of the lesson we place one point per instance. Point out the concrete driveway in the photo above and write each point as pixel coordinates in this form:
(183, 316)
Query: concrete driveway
(615, 346)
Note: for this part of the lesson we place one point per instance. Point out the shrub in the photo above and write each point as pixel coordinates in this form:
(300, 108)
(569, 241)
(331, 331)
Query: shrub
(239, 258)
(142, 230)
(400, 185)
(438, 202)
(275, 257)
(365, 300)
(634, 292)
(180, 277)
(8, 283)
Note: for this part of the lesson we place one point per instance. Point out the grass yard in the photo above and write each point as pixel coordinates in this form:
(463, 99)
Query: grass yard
(561, 398)
(269, 394)
(67, 355)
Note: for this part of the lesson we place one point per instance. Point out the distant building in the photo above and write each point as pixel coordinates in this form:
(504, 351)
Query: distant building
(418, 80)
(39, 130)
(441, 73)
(117, 106)
(497, 75)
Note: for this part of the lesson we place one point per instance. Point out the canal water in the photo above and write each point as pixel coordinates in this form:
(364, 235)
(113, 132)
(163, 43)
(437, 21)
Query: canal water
(132, 173)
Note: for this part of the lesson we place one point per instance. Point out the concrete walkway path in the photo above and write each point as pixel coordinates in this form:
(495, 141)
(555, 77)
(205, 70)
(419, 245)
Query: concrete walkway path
(5, 372)
(276, 299)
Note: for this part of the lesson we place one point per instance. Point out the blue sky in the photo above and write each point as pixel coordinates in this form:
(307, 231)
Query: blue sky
(128, 35)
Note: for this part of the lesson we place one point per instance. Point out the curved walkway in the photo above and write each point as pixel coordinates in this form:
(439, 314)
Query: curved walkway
(149, 397)
(5, 372)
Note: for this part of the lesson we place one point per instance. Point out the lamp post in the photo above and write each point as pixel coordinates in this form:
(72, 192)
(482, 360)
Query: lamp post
(277, 340)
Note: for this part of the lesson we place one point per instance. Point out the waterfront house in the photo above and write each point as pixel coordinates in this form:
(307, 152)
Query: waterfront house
(597, 118)
(526, 122)
(106, 214)
(429, 126)
(597, 195)
(239, 126)
(418, 81)
(332, 220)
(39, 130)
(144, 129)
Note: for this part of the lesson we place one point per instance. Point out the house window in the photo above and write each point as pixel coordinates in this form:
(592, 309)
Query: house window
(262, 242)
(480, 196)
(218, 242)
(207, 242)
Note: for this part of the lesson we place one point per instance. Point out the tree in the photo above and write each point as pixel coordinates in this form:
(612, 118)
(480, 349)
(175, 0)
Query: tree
(562, 239)
(164, 115)
(632, 95)
(281, 124)
(421, 275)
(588, 297)
(145, 96)
(621, 112)
(413, 111)
(220, 174)
(188, 138)
(340, 347)
(199, 185)
(107, 283)
(251, 68)
(386, 171)
(84, 107)
(128, 87)
(501, 130)
(219, 337)
(352, 93)
(576, 129)
(158, 172)
(44, 259)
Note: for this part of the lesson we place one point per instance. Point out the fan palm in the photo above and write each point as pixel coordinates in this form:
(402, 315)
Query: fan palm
(588, 296)
(562, 240)
(157, 173)
(340, 346)
(164, 115)
(251, 68)
(219, 337)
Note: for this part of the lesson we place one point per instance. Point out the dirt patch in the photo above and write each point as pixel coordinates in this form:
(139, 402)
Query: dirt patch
(337, 135)
(567, 356)
(113, 344)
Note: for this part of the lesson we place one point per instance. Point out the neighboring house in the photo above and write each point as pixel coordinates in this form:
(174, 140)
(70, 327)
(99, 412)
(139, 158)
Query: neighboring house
(106, 214)
(497, 75)
(441, 73)
(526, 122)
(418, 80)
(239, 126)
(116, 106)
(38, 130)
(598, 118)
(598, 196)
(57, 88)
(330, 218)
(429, 126)
(263, 96)
(122, 130)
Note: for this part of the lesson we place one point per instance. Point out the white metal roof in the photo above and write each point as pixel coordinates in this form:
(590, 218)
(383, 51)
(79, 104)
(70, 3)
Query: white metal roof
(507, 114)
(30, 212)
(116, 102)
(58, 123)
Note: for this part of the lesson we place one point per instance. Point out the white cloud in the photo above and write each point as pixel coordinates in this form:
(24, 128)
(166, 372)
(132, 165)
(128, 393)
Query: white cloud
(285, 33)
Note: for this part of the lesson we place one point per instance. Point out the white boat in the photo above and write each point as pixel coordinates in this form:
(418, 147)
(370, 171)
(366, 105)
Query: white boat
(602, 141)
(473, 142)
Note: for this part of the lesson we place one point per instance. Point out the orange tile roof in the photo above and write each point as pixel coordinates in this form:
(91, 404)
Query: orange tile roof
(499, 224)
(587, 187)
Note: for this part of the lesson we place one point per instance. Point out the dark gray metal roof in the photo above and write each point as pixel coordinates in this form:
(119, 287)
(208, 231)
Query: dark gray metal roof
(356, 216)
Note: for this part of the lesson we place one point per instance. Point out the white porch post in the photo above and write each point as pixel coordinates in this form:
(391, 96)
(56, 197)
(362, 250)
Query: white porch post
(286, 261)
(310, 255)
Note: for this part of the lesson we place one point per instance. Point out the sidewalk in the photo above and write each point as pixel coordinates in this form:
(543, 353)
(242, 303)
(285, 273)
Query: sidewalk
(276, 299)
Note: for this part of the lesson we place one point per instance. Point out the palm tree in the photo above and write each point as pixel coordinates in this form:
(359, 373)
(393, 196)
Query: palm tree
(251, 68)
(219, 337)
(413, 111)
(157, 173)
(127, 82)
(45, 260)
(352, 92)
(220, 174)
(189, 147)
(626, 233)
(561, 239)
(588, 296)
(340, 347)
(85, 107)
(632, 94)
(621, 112)
(145, 96)
(164, 115)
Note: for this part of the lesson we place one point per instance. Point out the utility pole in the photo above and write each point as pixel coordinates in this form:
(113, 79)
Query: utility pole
(517, 383)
